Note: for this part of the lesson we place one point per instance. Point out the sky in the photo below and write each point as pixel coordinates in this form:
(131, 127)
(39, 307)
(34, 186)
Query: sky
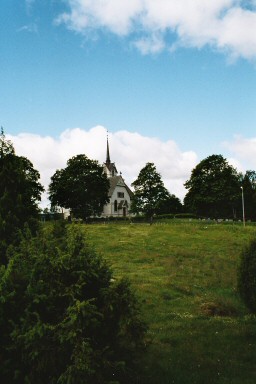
(171, 81)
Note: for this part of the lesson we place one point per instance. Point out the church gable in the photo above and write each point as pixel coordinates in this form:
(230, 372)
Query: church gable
(110, 169)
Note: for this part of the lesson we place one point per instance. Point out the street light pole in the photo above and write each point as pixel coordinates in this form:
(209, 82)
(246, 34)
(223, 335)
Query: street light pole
(243, 205)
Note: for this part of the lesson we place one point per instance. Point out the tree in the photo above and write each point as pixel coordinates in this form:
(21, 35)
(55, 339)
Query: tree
(64, 318)
(81, 187)
(171, 204)
(249, 191)
(213, 189)
(149, 191)
(20, 192)
(246, 276)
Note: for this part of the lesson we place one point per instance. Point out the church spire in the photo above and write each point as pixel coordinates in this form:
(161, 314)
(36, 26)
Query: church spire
(108, 156)
(109, 167)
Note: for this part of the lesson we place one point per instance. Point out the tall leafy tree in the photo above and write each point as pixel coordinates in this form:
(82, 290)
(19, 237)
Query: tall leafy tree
(149, 191)
(81, 187)
(214, 188)
(20, 192)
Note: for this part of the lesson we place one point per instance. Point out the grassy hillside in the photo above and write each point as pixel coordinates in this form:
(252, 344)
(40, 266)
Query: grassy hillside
(185, 275)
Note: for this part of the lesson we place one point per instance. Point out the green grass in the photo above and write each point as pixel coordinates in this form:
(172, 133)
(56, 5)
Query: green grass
(185, 276)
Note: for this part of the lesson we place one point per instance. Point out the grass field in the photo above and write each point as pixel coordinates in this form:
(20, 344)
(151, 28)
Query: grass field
(185, 276)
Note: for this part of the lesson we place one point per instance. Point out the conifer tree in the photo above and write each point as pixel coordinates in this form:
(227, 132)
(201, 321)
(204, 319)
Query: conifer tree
(64, 319)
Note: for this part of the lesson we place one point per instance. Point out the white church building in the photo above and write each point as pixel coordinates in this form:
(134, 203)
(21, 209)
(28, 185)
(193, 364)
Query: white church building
(120, 195)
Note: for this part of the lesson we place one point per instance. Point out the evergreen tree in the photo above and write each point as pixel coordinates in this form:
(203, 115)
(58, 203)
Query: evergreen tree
(249, 191)
(64, 319)
(246, 276)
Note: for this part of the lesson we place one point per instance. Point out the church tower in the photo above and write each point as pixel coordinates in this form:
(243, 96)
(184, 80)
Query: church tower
(119, 193)
(109, 168)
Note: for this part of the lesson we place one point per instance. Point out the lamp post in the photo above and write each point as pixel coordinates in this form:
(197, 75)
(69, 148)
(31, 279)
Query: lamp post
(243, 205)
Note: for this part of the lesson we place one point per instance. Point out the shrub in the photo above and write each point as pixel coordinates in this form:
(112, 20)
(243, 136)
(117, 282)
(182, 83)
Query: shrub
(164, 216)
(186, 216)
(65, 319)
(139, 219)
(247, 276)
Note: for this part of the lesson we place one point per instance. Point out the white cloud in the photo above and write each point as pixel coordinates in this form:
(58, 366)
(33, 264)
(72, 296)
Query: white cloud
(32, 28)
(227, 25)
(150, 44)
(244, 151)
(130, 152)
(115, 15)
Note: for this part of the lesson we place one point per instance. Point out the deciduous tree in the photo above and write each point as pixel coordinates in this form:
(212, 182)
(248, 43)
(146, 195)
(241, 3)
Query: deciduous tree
(81, 187)
(213, 188)
(171, 204)
(149, 191)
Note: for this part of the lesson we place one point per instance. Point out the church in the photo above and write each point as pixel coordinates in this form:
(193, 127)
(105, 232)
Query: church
(120, 195)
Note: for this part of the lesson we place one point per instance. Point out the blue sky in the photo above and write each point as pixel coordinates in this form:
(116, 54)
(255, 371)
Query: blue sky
(179, 75)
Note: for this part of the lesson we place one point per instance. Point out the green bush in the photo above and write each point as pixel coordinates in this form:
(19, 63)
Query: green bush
(139, 219)
(63, 317)
(247, 276)
(164, 216)
(186, 216)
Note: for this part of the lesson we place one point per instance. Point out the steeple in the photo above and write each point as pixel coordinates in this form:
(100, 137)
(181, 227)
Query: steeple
(108, 156)
(109, 167)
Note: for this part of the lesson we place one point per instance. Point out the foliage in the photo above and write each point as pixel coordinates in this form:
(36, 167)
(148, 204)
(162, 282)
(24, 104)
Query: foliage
(149, 191)
(249, 190)
(164, 216)
(247, 276)
(171, 204)
(213, 189)
(82, 187)
(185, 216)
(65, 319)
(20, 191)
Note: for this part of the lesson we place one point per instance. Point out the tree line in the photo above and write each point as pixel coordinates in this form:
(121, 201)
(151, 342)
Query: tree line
(214, 190)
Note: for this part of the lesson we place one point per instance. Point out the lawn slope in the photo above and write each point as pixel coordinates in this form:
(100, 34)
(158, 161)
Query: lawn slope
(185, 275)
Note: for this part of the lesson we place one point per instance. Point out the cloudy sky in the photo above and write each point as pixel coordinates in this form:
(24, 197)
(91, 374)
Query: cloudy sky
(173, 81)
